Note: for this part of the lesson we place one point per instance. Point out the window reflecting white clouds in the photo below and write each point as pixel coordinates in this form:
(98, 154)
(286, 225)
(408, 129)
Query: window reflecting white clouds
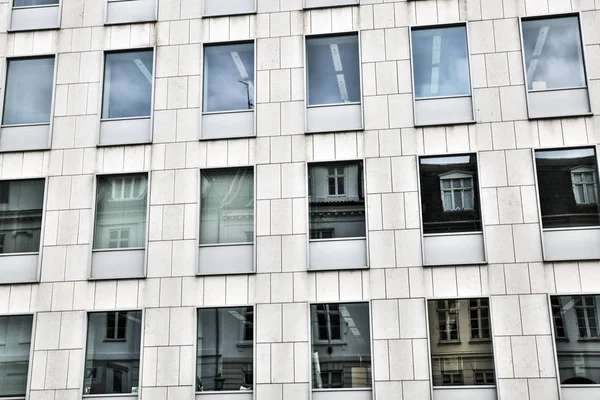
(440, 62)
(28, 98)
(333, 70)
(21, 207)
(229, 77)
(127, 84)
(553, 53)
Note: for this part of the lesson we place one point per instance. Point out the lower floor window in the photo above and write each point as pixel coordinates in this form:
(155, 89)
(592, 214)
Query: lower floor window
(484, 378)
(15, 342)
(452, 378)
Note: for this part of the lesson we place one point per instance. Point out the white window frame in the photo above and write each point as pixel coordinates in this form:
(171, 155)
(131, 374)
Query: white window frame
(327, 312)
(338, 172)
(557, 317)
(463, 177)
(585, 308)
(448, 313)
(116, 336)
(453, 375)
(582, 171)
(118, 188)
(479, 307)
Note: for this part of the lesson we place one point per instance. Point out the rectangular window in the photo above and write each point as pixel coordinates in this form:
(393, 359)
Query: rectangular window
(456, 208)
(21, 215)
(128, 78)
(15, 342)
(228, 77)
(441, 62)
(341, 350)
(337, 204)
(576, 325)
(112, 360)
(457, 362)
(33, 3)
(333, 71)
(568, 187)
(29, 88)
(227, 206)
(225, 349)
(121, 205)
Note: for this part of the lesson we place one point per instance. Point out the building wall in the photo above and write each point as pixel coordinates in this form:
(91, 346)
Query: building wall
(397, 284)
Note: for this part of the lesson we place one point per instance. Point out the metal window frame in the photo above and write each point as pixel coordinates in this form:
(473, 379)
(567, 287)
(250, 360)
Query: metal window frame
(58, 23)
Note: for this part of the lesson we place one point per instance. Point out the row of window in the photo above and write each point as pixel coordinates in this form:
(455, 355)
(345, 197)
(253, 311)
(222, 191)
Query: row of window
(553, 57)
(459, 337)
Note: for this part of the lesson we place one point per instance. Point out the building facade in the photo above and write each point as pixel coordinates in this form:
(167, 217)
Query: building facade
(299, 199)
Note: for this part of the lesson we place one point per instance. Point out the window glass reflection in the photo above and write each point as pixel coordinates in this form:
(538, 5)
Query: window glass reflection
(15, 342)
(568, 187)
(577, 338)
(127, 84)
(225, 349)
(336, 199)
(229, 77)
(121, 203)
(553, 53)
(333, 71)
(112, 361)
(341, 345)
(450, 194)
(28, 97)
(227, 206)
(460, 341)
(21, 206)
(440, 62)
(33, 3)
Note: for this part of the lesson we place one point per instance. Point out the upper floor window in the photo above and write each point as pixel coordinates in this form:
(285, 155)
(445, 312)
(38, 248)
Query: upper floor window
(457, 191)
(587, 322)
(328, 321)
(128, 79)
(333, 71)
(557, 316)
(21, 215)
(228, 77)
(335, 180)
(29, 88)
(568, 187)
(128, 188)
(15, 343)
(447, 311)
(116, 325)
(479, 310)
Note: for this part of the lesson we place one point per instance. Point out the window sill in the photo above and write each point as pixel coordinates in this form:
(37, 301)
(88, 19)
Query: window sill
(479, 341)
(448, 342)
(593, 340)
(143, 21)
(330, 343)
(229, 15)
(114, 340)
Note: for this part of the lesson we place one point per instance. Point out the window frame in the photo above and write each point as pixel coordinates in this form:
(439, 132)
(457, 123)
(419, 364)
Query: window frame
(579, 16)
(479, 307)
(584, 169)
(462, 176)
(204, 15)
(12, 7)
(144, 21)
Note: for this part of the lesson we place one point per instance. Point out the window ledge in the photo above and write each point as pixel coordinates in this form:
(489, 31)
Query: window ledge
(448, 342)
(143, 21)
(330, 343)
(583, 340)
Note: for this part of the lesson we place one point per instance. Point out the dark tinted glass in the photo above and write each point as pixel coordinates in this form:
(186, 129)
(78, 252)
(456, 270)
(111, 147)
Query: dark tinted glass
(15, 342)
(21, 206)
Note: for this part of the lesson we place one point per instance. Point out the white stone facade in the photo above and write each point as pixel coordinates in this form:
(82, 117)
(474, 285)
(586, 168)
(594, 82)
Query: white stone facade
(397, 285)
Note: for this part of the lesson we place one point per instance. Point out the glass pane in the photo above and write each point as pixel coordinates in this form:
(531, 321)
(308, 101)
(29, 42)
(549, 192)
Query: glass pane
(562, 204)
(441, 63)
(112, 366)
(229, 77)
(224, 358)
(333, 69)
(450, 212)
(455, 362)
(21, 207)
(577, 178)
(28, 97)
(15, 342)
(33, 3)
(591, 194)
(128, 80)
(339, 211)
(227, 206)
(350, 355)
(553, 56)
(120, 215)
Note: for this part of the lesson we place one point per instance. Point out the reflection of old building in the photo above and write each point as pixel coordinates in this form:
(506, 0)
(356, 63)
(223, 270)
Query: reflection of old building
(113, 352)
(15, 340)
(461, 347)
(21, 215)
(337, 207)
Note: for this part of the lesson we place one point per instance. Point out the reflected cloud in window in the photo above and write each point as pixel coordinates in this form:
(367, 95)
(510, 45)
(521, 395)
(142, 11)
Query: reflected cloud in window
(553, 53)
(21, 207)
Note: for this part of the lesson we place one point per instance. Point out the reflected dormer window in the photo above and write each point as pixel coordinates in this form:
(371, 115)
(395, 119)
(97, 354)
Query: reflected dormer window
(457, 190)
(585, 190)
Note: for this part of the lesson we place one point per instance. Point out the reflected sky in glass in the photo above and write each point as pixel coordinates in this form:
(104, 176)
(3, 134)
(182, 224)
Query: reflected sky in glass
(229, 77)
(127, 84)
(441, 64)
(29, 91)
(553, 56)
(333, 70)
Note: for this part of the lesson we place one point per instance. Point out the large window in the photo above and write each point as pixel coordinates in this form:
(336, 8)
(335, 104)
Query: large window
(112, 361)
(121, 205)
(28, 97)
(333, 71)
(128, 80)
(15, 342)
(577, 338)
(341, 349)
(460, 342)
(337, 204)
(227, 206)
(568, 187)
(21, 206)
(553, 53)
(229, 77)
(440, 62)
(225, 349)
(449, 194)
